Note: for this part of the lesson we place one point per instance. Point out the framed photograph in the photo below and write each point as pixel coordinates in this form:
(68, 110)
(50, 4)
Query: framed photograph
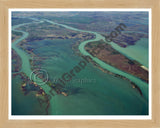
(79, 64)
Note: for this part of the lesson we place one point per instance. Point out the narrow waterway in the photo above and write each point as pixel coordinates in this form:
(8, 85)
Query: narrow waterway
(142, 85)
(27, 69)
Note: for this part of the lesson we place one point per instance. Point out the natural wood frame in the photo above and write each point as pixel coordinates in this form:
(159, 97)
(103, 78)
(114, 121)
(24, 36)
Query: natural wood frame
(4, 33)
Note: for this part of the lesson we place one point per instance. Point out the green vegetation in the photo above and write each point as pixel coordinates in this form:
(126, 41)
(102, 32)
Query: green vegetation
(131, 62)
(16, 21)
(17, 33)
(116, 59)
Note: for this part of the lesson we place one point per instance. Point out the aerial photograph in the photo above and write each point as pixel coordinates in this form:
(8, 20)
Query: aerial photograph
(79, 63)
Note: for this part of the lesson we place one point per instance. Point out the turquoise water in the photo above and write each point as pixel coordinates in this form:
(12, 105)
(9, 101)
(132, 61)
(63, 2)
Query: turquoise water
(24, 104)
(137, 52)
(142, 85)
(99, 96)
(26, 68)
(107, 95)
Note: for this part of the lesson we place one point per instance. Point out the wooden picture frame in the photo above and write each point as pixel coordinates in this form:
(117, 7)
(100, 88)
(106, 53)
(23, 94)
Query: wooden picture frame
(4, 62)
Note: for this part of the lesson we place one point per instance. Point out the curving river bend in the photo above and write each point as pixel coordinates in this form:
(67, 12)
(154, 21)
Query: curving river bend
(142, 85)
(27, 69)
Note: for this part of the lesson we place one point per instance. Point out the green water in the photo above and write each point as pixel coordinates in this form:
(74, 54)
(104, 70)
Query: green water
(137, 52)
(107, 95)
(142, 85)
(25, 59)
(24, 104)
(100, 96)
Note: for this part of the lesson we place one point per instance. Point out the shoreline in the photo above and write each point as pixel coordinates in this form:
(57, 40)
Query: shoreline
(46, 88)
(75, 49)
(106, 53)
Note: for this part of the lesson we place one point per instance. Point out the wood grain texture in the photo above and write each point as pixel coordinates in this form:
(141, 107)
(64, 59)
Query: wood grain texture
(6, 4)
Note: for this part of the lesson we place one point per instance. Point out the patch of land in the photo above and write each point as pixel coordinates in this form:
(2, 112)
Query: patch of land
(31, 88)
(16, 62)
(16, 35)
(101, 22)
(47, 31)
(126, 39)
(116, 59)
(16, 20)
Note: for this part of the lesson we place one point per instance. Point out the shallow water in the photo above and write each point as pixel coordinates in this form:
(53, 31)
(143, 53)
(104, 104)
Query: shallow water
(24, 104)
(107, 95)
(97, 93)
(142, 85)
(138, 52)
